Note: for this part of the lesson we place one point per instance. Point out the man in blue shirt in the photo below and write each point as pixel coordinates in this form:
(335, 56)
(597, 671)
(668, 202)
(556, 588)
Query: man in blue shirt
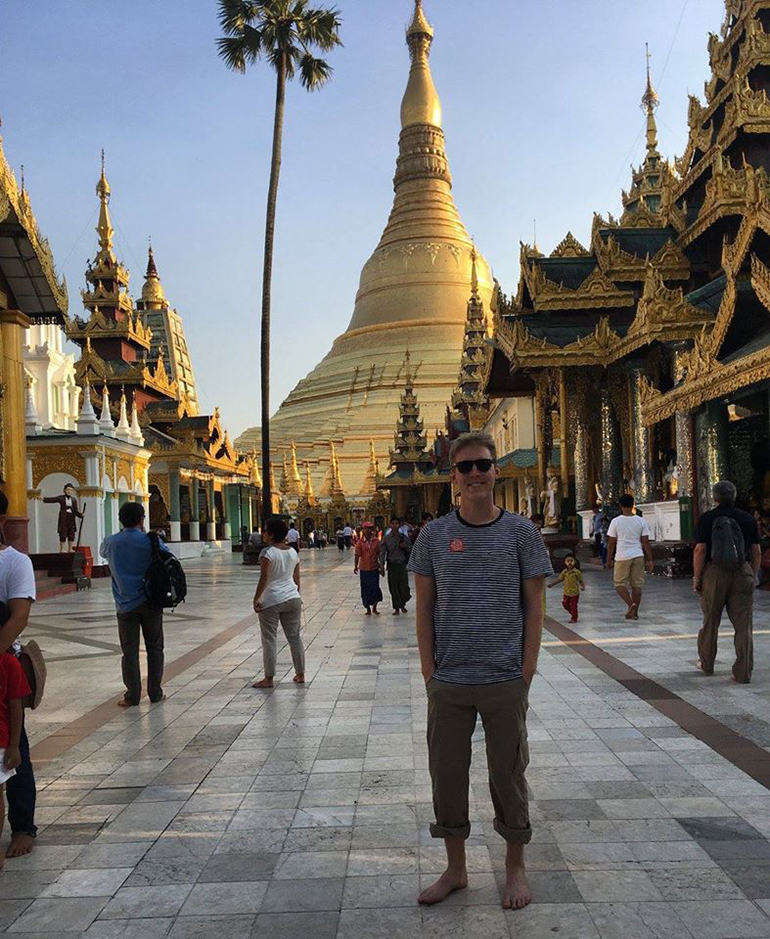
(128, 553)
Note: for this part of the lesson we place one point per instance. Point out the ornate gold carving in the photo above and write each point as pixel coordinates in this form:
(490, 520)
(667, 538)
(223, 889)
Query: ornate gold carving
(569, 247)
(661, 307)
(47, 460)
(760, 280)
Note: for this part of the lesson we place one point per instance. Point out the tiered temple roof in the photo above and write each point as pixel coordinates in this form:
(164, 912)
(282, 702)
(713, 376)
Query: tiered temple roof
(409, 454)
(469, 399)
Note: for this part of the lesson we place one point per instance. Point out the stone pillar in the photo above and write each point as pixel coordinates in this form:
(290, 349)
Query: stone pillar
(195, 527)
(541, 418)
(114, 509)
(612, 450)
(13, 446)
(580, 459)
(644, 484)
(711, 446)
(174, 509)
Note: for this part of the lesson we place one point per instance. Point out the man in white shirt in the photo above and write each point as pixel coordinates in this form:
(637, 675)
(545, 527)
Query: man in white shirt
(17, 592)
(629, 555)
(293, 537)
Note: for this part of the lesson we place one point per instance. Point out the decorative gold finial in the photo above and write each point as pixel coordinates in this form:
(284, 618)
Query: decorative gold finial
(650, 102)
(421, 104)
(104, 229)
(474, 272)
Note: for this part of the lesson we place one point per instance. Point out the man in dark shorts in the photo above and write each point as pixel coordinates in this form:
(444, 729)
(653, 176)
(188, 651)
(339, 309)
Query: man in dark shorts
(729, 586)
(479, 574)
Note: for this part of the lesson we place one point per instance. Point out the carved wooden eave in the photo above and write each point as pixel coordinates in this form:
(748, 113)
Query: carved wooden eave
(596, 292)
(99, 326)
(569, 247)
(15, 208)
(663, 313)
(760, 280)
(734, 254)
(729, 192)
(714, 381)
(621, 266)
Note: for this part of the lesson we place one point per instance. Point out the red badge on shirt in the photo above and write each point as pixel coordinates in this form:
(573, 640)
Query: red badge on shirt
(456, 544)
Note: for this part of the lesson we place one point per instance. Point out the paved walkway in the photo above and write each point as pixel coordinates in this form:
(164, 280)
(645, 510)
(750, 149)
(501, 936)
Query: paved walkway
(226, 811)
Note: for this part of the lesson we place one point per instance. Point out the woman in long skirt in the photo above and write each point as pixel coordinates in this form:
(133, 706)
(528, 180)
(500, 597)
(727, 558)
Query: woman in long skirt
(367, 562)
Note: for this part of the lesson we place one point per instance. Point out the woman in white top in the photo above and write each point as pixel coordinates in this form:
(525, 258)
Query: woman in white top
(277, 601)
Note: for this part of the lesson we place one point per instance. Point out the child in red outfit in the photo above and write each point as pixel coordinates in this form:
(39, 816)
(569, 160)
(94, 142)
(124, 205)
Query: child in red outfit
(573, 586)
(14, 687)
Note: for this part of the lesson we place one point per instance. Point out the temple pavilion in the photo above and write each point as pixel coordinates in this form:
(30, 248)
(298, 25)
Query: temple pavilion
(200, 490)
(646, 353)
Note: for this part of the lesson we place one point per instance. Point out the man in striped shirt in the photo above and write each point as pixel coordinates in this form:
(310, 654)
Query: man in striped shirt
(479, 575)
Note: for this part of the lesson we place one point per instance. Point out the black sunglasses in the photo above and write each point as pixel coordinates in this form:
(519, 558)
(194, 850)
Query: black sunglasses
(483, 465)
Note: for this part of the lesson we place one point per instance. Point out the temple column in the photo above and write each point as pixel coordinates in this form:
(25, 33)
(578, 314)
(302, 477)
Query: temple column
(644, 484)
(174, 509)
(211, 526)
(195, 526)
(542, 417)
(227, 527)
(711, 443)
(114, 510)
(684, 440)
(612, 450)
(13, 446)
(580, 459)
(564, 435)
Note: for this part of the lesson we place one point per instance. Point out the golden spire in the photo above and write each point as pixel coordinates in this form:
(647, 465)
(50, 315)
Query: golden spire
(308, 483)
(421, 104)
(152, 291)
(104, 228)
(284, 475)
(474, 274)
(650, 101)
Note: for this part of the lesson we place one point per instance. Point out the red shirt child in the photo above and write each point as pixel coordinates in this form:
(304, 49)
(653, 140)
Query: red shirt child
(13, 688)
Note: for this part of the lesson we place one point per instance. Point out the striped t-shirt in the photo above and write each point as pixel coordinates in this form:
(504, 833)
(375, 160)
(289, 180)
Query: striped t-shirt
(479, 613)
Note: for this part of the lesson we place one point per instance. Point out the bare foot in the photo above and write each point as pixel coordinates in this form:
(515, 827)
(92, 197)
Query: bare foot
(368, 612)
(376, 611)
(631, 612)
(264, 683)
(127, 704)
(20, 845)
(300, 679)
(517, 894)
(703, 668)
(447, 883)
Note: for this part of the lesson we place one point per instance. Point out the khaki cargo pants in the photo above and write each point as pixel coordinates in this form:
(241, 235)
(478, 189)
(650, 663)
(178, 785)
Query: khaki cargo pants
(452, 712)
(733, 590)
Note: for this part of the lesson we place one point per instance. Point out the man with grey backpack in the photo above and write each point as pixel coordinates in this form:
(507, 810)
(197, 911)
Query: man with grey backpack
(725, 564)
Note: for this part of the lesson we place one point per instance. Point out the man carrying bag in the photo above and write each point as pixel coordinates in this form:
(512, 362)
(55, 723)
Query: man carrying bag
(140, 592)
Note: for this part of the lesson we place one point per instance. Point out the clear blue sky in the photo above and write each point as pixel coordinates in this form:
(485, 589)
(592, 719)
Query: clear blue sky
(541, 111)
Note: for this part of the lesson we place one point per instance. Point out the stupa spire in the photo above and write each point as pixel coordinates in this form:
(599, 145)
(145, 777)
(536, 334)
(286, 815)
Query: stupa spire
(421, 104)
(104, 228)
(650, 102)
(123, 430)
(309, 495)
(106, 423)
(152, 291)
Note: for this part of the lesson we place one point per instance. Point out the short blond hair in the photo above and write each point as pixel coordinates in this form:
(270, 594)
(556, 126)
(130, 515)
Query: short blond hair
(473, 439)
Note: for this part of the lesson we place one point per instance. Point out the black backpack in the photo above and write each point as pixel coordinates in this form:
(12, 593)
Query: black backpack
(165, 584)
(728, 548)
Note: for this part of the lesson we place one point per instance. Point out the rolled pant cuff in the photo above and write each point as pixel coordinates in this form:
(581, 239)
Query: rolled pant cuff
(440, 831)
(514, 835)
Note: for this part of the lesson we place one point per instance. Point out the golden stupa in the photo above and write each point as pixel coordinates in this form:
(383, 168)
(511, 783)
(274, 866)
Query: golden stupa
(413, 296)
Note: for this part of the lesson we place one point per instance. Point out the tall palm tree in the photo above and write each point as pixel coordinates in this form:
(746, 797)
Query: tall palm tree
(283, 32)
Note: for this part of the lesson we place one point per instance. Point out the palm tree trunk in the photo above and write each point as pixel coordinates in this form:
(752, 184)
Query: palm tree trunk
(267, 274)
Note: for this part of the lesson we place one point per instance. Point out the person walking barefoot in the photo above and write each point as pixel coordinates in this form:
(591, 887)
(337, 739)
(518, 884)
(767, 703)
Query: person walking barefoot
(367, 561)
(629, 555)
(277, 601)
(479, 574)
